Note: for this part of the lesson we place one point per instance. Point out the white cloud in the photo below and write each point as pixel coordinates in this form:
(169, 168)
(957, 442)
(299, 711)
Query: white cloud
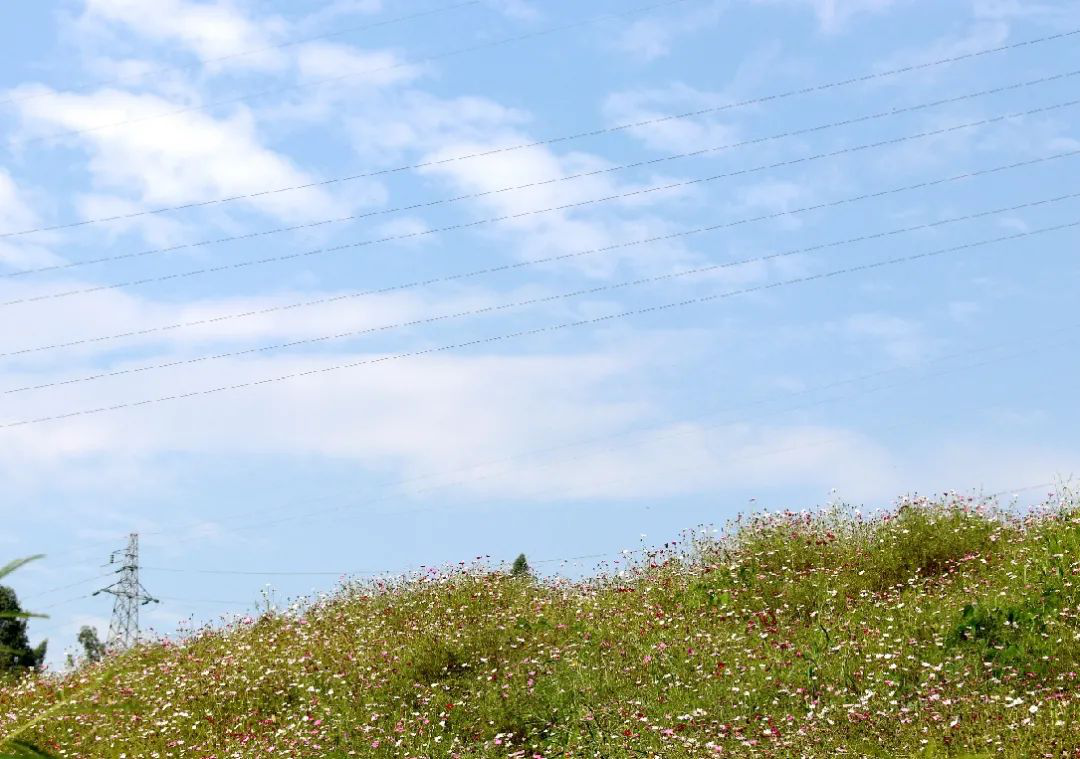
(585, 227)
(964, 311)
(337, 8)
(653, 37)
(834, 15)
(211, 30)
(995, 465)
(17, 215)
(673, 135)
(435, 414)
(116, 311)
(904, 341)
(327, 60)
(415, 415)
(431, 130)
(647, 39)
(224, 37)
(982, 35)
(519, 9)
(183, 158)
(406, 225)
(773, 196)
(688, 458)
(417, 121)
(1059, 15)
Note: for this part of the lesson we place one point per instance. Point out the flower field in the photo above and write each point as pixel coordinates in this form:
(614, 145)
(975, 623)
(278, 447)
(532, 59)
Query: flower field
(940, 629)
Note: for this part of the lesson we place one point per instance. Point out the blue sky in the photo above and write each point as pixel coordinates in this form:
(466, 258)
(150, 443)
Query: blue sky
(426, 372)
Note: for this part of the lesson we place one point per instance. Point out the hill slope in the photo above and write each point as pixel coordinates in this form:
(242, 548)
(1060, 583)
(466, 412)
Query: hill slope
(938, 630)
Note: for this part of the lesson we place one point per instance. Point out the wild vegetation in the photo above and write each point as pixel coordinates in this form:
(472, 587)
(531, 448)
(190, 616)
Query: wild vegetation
(943, 628)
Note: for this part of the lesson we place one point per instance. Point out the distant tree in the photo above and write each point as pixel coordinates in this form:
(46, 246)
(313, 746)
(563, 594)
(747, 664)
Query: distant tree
(10, 655)
(15, 651)
(91, 643)
(521, 567)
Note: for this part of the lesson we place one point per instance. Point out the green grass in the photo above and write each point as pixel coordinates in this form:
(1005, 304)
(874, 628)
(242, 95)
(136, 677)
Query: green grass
(938, 630)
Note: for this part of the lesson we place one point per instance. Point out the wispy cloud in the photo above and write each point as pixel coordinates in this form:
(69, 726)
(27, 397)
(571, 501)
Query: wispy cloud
(835, 15)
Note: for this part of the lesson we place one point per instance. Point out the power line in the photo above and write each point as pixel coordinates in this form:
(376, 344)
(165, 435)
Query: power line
(624, 554)
(380, 572)
(579, 135)
(775, 451)
(582, 442)
(821, 402)
(539, 261)
(533, 301)
(1025, 489)
(543, 330)
(208, 601)
(308, 514)
(836, 399)
(87, 581)
(529, 185)
(244, 53)
(352, 75)
(442, 485)
(67, 601)
(345, 573)
(242, 572)
(388, 496)
(746, 418)
(534, 212)
(383, 572)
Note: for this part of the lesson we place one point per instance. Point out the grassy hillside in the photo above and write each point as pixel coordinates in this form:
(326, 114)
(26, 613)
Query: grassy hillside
(938, 630)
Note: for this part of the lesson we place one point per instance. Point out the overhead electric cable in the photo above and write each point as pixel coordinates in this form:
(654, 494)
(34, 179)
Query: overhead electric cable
(534, 212)
(308, 514)
(335, 511)
(544, 330)
(761, 454)
(262, 511)
(946, 358)
(244, 53)
(66, 601)
(87, 581)
(353, 74)
(354, 572)
(538, 300)
(206, 600)
(539, 183)
(538, 261)
(579, 135)
(1028, 351)
(243, 572)
(622, 554)
(1026, 488)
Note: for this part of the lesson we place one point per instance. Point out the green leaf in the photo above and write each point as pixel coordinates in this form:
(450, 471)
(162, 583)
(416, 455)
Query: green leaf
(22, 615)
(11, 566)
(22, 750)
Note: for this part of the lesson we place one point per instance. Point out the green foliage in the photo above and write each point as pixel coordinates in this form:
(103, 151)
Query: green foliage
(520, 567)
(940, 630)
(15, 650)
(23, 750)
(93, 648)
(17, 653)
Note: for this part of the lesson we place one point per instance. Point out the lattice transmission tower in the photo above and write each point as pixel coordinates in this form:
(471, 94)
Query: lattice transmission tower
(130, 595)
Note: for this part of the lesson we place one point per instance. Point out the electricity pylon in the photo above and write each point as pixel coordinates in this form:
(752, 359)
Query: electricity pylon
(130, 595)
